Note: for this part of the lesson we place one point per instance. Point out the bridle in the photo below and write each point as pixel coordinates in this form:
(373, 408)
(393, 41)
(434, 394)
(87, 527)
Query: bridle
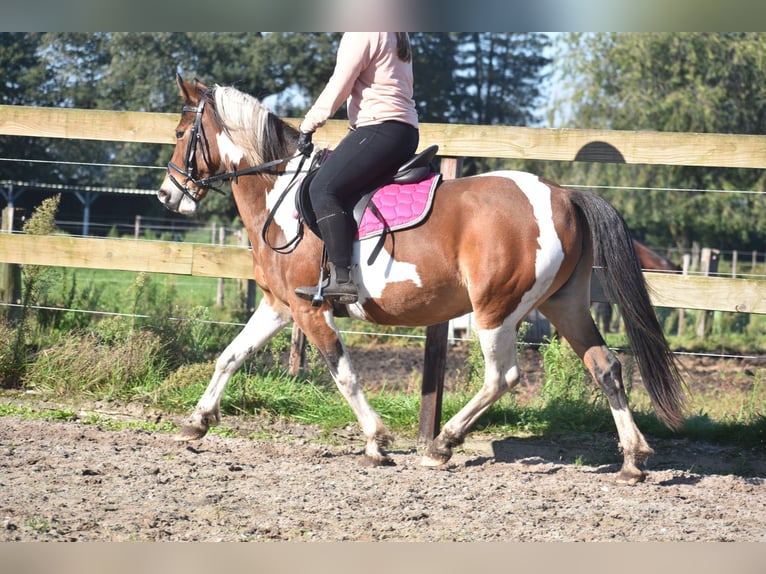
(197, 139)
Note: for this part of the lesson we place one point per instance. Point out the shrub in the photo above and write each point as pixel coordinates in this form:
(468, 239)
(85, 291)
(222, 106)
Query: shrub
(12, 357)
(566, 379)
(114, 366)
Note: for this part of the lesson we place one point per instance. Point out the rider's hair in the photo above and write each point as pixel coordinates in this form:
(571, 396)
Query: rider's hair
(403, 47)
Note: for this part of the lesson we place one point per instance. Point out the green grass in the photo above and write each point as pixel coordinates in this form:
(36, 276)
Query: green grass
(116, 289)
(118, 363)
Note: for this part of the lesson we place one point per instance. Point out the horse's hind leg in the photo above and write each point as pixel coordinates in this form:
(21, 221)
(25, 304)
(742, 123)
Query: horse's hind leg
(501, 373)
(576, 326)
(323, 334)
(264, 323)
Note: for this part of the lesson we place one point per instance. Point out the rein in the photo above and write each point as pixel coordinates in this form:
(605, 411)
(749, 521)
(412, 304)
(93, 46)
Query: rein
(290, 246)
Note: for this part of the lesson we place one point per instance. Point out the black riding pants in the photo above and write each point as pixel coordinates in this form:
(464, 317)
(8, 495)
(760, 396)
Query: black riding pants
(366, 157)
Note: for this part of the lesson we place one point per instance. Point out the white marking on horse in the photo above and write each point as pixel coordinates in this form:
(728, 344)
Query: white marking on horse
(372, 280)
(285, 217)
(230, 153)
(263, 324)
(384, 271)
(550, 253)
(348, 383)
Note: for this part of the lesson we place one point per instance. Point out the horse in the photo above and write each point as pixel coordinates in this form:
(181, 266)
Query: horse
(653, 261)
(649, 261)
(500, 244)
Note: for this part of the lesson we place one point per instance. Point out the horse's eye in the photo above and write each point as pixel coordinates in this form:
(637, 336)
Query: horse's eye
(180, 134)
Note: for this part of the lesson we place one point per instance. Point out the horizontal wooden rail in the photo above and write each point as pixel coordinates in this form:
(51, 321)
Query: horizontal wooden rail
(710, 293)
(128, 255)
(668, 290)
(455, 140)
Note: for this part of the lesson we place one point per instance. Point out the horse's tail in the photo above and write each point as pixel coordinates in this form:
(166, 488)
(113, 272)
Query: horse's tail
(623, 283)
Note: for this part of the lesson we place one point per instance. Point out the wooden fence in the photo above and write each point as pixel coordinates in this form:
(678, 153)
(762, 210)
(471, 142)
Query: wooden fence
(455, 141)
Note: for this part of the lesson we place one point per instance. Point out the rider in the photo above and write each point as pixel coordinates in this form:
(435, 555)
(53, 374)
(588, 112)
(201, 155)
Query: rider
(373, 71)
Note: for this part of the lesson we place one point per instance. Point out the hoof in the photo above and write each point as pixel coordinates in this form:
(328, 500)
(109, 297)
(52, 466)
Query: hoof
(439, 452)
(631, 476)
(433, 462)
(192, 431)
(368, 460)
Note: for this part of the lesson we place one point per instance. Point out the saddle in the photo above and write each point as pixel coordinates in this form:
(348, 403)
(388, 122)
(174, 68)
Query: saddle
(403, 202)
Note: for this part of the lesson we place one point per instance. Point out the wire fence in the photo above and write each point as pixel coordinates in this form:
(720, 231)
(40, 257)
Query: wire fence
(467, 339)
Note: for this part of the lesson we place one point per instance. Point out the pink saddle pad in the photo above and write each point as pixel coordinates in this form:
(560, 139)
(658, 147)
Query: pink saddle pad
(401, 205)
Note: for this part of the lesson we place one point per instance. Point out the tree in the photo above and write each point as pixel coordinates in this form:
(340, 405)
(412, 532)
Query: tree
(499, 77)
(465, 78)
(21, 75)
(481, 78)
(293, 66)
(686, 82)
(18, 57)
(433, 65)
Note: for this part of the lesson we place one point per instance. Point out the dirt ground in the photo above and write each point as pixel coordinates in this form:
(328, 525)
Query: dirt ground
(71, 481)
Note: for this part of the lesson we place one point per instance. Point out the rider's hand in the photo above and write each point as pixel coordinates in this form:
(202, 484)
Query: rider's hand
(304, 143)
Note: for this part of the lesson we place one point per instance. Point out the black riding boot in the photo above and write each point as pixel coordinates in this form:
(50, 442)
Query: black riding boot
(336, 230)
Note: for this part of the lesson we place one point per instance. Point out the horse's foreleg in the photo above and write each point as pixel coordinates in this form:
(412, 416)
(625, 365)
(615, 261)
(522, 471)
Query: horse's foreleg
(335, 354)
(501, 374)
(377, 435)
(264, 323)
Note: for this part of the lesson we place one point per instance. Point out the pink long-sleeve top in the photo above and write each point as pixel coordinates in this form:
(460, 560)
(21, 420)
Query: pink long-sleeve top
(370, 76)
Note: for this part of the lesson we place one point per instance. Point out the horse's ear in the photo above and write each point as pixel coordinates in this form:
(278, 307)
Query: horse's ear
(186, 89)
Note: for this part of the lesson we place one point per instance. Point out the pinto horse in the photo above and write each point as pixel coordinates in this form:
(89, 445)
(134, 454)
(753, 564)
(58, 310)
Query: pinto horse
(499, 244)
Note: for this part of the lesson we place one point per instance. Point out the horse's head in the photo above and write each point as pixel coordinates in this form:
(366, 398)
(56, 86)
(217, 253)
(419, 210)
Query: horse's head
(195, 157)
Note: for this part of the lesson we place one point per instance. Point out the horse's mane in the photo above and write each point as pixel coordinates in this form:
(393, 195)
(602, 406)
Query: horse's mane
(251, 126)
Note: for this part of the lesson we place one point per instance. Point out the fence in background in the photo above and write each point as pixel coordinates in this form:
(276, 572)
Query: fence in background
(455, 141)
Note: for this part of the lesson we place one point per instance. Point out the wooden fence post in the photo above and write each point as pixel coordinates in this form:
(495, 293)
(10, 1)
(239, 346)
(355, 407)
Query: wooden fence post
(297, 351)
(249, 291)
(708, 266)
(219, 291)
(687, 261)
(435, 360)
(10, 285)
(432, 387)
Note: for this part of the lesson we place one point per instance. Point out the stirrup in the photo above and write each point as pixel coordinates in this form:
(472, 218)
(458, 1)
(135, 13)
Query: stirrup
(337, 293)
(315, 294)
(318, 298)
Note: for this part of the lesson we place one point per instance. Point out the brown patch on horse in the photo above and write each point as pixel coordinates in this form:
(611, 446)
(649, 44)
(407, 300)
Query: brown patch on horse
(498, 272)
